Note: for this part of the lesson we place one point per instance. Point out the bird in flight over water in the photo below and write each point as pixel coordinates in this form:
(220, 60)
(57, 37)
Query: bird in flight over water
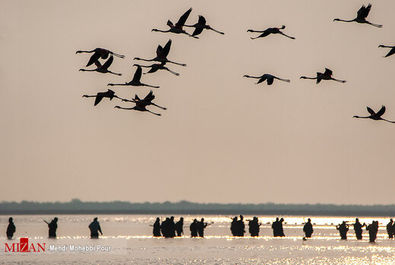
(178, 27)
(269, 31)
(362, 13)
(99, 96)
(201, 25)
(99, 53)
(375, 116)
(268, 78)
(102, 68)
(135, 81)
(391, 52)
(327, 75)
(161, 55)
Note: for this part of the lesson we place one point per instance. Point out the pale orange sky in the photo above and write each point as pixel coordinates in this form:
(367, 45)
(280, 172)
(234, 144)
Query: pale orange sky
(223, 138)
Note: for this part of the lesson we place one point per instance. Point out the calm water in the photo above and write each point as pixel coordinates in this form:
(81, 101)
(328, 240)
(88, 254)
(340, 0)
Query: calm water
(127, 240)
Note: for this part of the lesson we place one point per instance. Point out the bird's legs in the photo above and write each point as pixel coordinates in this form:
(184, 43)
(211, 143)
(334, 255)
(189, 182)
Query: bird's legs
(285, 80)
(338, 80)
(256, 31)
(145, 60)
(287, 35)
(124, 84)
(118, 55)
(119, 107)
(181, 64)
(158, 106)
(157, 114)
(374, 25)
(174, 73)
(159, 30)
(386, 46)
(306, 77)
(142, 84)
(113, 73)
(249, 76)
(387, 120)
(208, 27)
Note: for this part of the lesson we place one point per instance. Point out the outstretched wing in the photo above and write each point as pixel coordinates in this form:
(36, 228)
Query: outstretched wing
(183, 18)
(99, 97)
(108, 62)
(93, 58)
(137, 74)
(197, 31)
(328, 72)
(149, 97)
(263, 78)
(166, 49)
(363, 12)
(391, 52)
(159, 51)
(371, 111)
(270, 80)
(381, 111)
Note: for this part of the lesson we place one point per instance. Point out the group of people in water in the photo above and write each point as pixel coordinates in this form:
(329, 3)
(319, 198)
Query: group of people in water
(94, 228)
(373, 229)
(169, 228)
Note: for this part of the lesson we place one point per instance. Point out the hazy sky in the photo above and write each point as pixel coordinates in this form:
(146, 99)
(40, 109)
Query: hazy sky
(223, 138)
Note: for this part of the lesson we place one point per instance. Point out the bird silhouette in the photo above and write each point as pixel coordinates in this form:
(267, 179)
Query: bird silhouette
(156, 67)
(161, 55)
(135, 81)
(99, 53)
(102, 68)
(178, 27)
(147, 100)
(327, 75)
(268, 78)
(201, 25)
(269, 31)
(391, 52)
(362, 13)
(375, 116)
(99, 96)
(141, 104)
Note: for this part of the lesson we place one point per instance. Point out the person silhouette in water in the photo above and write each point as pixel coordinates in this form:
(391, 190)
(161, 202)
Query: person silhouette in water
(10, 228)
(373, 228)
(200, 227)
(390, 229)
(280, 227)
(358, 229)
(233, 226)
(276, 227)
(156, 228)
(343, 229)
(240, 226)
(95, 228)
(308, 228)
(253, 226)
(52, 226)
(180, 227)
(194, 228)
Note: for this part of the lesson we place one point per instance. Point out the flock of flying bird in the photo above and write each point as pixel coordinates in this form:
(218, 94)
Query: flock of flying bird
(161, 61)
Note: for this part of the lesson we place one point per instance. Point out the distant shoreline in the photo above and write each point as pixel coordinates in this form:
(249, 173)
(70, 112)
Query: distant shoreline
(76, 206)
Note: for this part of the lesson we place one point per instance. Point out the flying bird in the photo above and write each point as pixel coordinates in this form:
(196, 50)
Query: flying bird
(178, 27)
(269, 31)
(201, 25)
(161, 55)
(141, 104)
(362, 13)
(99, 53)
(99, 96)
(268, 78)
(135, 81)
(147, 100)
(375, 116)
(102, 68)
(156, 67)
(391, 52)
(327, 75)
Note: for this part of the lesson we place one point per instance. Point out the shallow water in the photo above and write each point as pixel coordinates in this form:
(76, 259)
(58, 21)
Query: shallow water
(127, 240)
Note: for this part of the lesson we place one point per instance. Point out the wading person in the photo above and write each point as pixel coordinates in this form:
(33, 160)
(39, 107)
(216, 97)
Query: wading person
(308, 228)
(52, 227)
(343, 229)
(233, 226)
(253, 226)
(358, 229)
(240, 226)
(156, 228)
(10, 228)
(200, 227)
(95, 228)
(276, 227)
(373, 228)
(193, 228)
(390, 229)
(179, 226)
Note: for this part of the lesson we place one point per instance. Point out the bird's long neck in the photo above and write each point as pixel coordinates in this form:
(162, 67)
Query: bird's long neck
(114, 73)
(374, 25)
(88, 70)
(306, 77)
(174, 73)
(249, 76)
(142, 84)
(124, 84)
(386, 46)
(338, 80)
(258, 31)
(343, 20)
(145, 60)
(159, 30)
(86, 51)
(119, 107)
(158, 106)
(89, 96)
(359, 117)
(387, 120)
(220, 32)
